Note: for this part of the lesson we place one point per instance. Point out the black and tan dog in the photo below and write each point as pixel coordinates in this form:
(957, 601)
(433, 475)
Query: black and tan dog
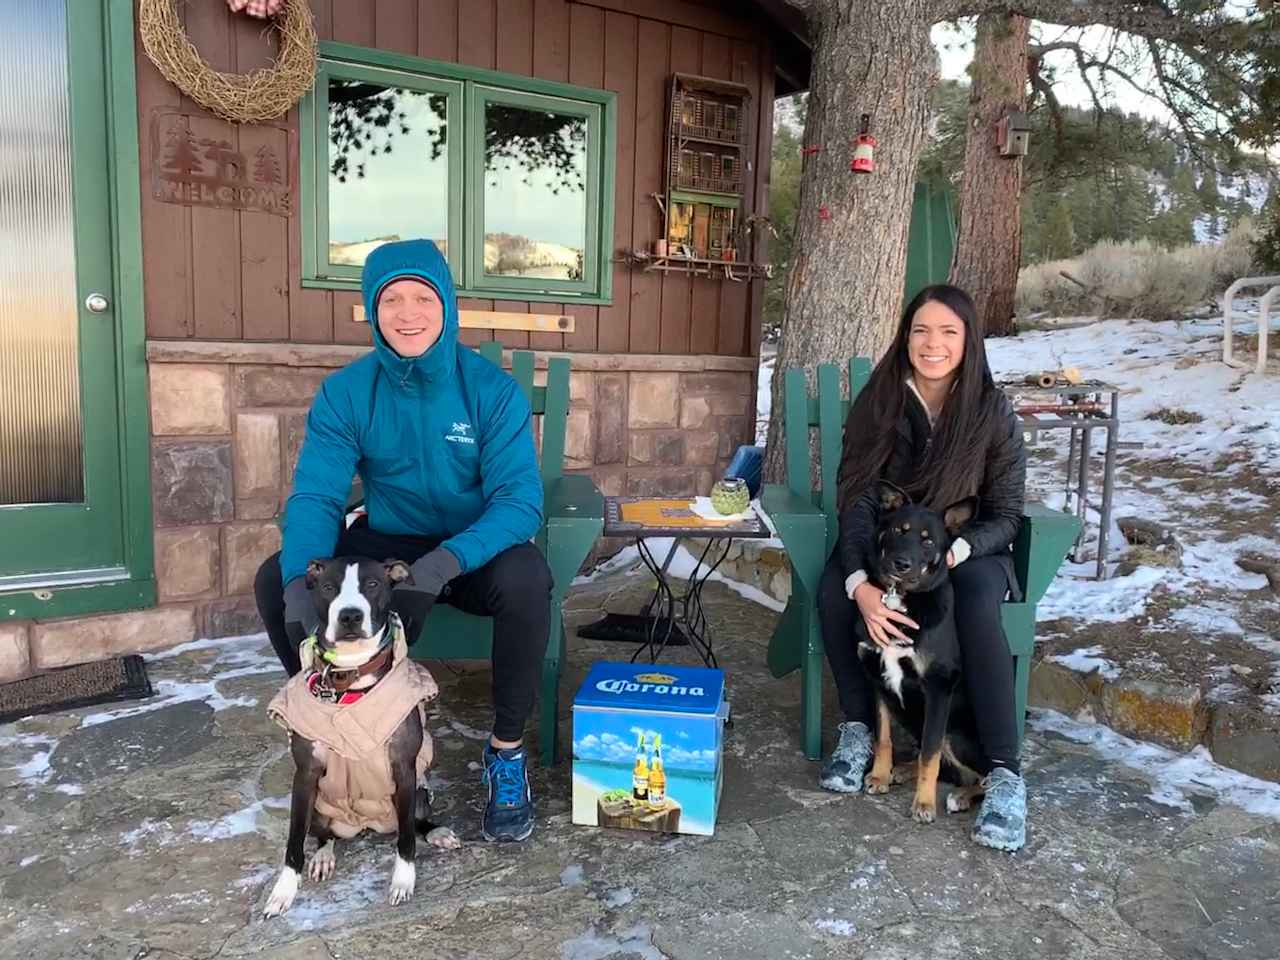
(356, 721)
(920, 684)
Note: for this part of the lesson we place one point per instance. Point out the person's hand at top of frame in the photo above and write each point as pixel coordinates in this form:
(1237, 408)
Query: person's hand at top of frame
(256, 8)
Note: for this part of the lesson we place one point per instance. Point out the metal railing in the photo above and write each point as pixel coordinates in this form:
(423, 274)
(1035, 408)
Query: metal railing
(1264, 318)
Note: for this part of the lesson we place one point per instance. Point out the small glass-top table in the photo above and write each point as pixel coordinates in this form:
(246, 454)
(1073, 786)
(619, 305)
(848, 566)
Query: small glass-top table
(670, 618)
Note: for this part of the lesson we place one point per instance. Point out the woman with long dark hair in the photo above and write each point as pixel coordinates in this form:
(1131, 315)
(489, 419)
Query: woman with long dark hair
(932, 422)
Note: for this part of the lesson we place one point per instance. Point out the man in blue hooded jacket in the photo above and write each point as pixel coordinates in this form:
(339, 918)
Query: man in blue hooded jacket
(442, 442)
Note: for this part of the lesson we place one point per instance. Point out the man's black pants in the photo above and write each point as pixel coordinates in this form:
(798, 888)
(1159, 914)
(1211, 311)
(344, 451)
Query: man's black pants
(980, 585)
(514, 588)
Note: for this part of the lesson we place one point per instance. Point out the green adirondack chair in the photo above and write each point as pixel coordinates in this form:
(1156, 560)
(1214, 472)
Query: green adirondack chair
(573, 519)
(807, 523)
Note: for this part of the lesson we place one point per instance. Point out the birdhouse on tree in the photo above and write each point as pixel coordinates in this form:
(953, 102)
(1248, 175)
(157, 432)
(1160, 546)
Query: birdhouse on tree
(1014, 134)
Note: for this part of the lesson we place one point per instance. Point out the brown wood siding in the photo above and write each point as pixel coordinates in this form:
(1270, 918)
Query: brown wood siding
(620, 76)
(236, 275)
(586, 68)
(477, 44)
(652, 45)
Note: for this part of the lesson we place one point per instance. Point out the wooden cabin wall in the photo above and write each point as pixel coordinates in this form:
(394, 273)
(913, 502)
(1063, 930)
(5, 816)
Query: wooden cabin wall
(232, 275)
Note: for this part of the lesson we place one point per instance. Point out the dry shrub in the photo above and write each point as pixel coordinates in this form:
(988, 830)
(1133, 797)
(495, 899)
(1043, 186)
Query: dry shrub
(1174, 416)
(1042, 288)
(1137, 278)
(1234, 256)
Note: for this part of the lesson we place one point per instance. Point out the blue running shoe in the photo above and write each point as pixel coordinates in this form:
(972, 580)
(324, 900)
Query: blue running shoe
(508, 815)
(1002, 819)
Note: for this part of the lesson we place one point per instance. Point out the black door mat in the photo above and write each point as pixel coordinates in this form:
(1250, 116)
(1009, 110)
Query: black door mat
(630, 628)
(105, 681)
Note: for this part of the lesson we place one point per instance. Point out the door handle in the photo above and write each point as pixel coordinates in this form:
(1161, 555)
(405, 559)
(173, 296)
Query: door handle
(96, 303)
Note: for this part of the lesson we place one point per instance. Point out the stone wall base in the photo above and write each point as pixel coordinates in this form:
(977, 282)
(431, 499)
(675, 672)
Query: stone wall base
(228, 422)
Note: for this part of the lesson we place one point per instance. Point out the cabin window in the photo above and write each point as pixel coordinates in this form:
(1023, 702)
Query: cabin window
(511, 177)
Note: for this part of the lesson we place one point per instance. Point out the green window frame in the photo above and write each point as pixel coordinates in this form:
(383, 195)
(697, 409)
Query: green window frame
(469, 91)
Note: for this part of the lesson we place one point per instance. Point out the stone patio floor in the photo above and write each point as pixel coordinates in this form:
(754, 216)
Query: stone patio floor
(156, 829)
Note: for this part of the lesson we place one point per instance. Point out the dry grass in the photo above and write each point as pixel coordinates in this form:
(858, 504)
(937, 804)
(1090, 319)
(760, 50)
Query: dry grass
(1136, 279)
(1175, 416)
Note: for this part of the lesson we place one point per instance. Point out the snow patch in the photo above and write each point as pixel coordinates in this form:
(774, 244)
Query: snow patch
(637, 942)
(171, 692)
(841, 928)
(1112, 601)
(236, 823)
(1175, 777)
(37, 769)
(471, 733)
(1087, 660)
(619, 897)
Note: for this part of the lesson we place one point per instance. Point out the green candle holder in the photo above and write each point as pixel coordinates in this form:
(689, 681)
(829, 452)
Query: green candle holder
(730, 496)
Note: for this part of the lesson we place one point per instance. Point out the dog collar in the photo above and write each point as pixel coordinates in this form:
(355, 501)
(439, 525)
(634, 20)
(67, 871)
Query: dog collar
(893, 600)
(335, 685)
(329, 694)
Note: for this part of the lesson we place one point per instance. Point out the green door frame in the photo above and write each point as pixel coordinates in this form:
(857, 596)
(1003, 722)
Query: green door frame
(134, 587)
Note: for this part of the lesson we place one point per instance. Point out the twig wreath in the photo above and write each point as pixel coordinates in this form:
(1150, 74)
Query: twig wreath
(252, 97)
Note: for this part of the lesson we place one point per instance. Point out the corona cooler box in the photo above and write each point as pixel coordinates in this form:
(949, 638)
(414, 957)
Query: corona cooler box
(647, 747)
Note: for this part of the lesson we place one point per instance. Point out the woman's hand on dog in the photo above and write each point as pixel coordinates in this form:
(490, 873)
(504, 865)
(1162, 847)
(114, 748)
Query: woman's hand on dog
(882, 623)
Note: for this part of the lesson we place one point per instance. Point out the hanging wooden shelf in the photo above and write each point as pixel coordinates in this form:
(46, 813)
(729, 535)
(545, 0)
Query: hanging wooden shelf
(734, 270)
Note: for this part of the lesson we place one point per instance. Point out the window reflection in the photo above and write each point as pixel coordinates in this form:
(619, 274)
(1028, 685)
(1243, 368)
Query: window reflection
(388, 168)
(535, 200)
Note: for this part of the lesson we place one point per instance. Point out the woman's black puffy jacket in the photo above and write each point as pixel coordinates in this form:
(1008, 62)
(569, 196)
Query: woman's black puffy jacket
(1001, 495)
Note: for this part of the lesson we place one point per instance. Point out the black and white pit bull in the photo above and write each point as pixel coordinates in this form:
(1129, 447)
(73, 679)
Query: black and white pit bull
(920, 683)
(359, 656)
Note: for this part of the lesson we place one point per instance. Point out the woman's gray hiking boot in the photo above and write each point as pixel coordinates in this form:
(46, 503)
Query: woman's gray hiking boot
(843, 770)
(1002, 820)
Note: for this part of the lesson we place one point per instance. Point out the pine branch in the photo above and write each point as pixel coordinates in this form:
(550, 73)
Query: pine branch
(1042, 86)
(1178, 115)
(1146, 18)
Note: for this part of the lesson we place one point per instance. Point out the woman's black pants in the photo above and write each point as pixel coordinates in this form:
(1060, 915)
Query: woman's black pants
(980, 585)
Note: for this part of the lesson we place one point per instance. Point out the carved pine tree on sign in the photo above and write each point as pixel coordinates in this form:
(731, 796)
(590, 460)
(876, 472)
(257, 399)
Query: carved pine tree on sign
(181, 158)
(266, 168)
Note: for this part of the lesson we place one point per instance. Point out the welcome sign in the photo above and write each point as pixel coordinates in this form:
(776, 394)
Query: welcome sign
(193, 168)
(648, 747)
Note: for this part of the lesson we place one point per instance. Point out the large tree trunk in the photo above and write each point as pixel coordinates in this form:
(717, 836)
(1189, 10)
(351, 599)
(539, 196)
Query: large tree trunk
(989, 244)
(844, 289)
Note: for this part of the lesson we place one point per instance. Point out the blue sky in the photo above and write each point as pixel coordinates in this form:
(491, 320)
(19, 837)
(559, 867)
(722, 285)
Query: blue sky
(611, 738)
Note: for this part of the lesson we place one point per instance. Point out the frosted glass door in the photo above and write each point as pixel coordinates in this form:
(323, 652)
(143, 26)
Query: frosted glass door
(59, 458)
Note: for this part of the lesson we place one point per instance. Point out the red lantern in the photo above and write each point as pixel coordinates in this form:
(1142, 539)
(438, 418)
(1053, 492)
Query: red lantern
(864, 150)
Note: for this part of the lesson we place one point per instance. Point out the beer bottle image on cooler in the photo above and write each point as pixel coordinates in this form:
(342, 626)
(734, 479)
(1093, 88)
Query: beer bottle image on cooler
(640, 773)
(657, 777)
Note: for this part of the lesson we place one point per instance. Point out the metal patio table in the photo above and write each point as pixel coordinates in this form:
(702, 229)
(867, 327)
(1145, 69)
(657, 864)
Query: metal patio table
(669, 614)
(1081, 408)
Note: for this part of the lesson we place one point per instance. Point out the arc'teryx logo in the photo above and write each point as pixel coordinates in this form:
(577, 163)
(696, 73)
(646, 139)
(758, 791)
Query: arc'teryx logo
(459, 434)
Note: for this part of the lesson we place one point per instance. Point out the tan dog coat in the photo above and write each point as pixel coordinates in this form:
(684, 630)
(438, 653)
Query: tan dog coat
(357, 791)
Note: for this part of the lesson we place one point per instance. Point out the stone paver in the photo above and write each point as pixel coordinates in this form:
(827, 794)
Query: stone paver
(156, 830)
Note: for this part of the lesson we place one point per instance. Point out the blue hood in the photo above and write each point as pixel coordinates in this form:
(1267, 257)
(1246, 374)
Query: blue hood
(422, 260)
